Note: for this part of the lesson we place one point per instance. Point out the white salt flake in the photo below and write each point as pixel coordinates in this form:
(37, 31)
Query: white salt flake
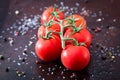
(33, 53)
(17, 12)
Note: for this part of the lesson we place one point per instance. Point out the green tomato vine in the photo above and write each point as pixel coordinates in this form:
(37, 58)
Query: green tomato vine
(48, 33)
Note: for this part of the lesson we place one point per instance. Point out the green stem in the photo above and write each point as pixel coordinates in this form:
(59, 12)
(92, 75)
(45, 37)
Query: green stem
(75, 28)
(61, 34)
(47, 25)
(74, 25)
(47, 33)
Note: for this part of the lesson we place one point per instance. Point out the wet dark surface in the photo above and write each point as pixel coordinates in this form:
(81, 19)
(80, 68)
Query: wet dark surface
(19, 21)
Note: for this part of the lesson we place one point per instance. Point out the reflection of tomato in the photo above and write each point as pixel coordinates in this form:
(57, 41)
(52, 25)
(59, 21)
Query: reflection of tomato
(48, 49)
(79, 20)
(75, 57)
(49, 14)
(42, 30)
(82, 36)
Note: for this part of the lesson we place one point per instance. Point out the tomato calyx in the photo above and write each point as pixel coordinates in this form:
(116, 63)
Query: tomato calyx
(55, 12)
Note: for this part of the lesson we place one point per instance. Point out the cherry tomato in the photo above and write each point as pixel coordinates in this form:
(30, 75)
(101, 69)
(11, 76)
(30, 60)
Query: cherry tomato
(82, 36)
(51, 13)
(42, 30)
(79, 20)
(48, 49)
(75, 57)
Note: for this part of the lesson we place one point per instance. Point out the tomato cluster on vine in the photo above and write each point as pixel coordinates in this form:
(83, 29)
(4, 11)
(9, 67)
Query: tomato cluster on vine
(65, 38)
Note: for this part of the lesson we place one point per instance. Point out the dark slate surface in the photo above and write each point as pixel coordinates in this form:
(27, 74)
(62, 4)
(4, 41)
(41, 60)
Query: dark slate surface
(18, 37)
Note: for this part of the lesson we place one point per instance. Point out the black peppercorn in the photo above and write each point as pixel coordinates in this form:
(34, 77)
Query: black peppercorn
(7, 69)
(2, 57)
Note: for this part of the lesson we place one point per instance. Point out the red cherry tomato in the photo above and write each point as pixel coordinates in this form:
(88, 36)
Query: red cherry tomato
(48, 49)
(75, 57)
(79, 20)
(51, 13)
(42, 30)
(82, 36)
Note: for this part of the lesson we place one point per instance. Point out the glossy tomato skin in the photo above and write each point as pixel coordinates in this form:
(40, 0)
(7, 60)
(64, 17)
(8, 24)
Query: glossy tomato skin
(47, 15)
(42, 30)
(82, 36)
(48, 49)
(75, 57)
(77, 22)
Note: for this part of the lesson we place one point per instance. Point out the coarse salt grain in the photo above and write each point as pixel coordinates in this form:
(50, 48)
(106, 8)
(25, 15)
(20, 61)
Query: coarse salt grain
(18, 64)
(17, 12)
(33, 53)
(99, 20)
(25, 24)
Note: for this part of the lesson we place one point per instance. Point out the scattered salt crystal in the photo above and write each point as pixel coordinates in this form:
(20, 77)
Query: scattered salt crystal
(49, 69)
(19, 57)
(17, 12)
(9, 59)
(62, 72)
(114, 20)
(24, 54)
(99, 20)
(33, 37)
(43, 70)
(33, 7)
(85, 12)
(62, 4)
(60, 67)
(1, 36)
(41, 9)
(24, 24)
(40, 66)
(30, 43)
(14, 61)
(63, 77)
(16, 33)
(11, 41)
(53, 69)
(39, 76)
(48, 73)
(77, 4)
(43, 78)
(52, 73)
(100, 13)
(18, 64)
(33, 53)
